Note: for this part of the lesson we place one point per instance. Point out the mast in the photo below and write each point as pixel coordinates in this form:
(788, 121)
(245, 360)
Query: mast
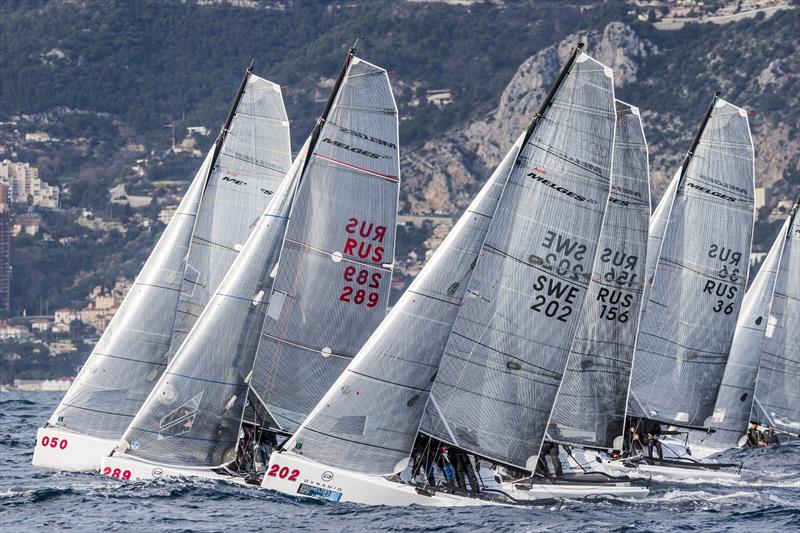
(231, 113)
(696, 140)
(329, 104)
(549, 99)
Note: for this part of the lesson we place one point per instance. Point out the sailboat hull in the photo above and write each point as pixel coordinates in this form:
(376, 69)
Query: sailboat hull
(672, 472)
(125, 467)
(296, 476)
(58, 449)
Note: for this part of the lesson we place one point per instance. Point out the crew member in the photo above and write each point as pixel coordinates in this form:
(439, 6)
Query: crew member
(460, 461)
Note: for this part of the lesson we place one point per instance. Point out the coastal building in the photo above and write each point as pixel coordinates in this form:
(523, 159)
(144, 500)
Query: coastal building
(13, 332)
(5, 249)
(25, 186)
(65, 315)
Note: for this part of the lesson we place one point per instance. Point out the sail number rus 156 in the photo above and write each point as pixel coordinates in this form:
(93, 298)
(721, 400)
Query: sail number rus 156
(615, 302)
(724, 292)
(364, 241)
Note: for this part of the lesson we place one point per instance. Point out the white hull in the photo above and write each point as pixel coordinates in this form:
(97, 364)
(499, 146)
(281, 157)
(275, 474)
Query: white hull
(297, 476)
(125, 467)
(59, 449)
(673, 473)
(676, 447)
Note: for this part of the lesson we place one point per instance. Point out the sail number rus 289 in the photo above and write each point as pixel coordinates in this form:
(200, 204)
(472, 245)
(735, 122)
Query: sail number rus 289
(365, 242)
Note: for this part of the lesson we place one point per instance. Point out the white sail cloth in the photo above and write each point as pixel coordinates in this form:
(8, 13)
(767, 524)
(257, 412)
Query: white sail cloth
(735, 398)
(254, 158)
(686, 333)
(131, 354)
(192, 417)
(591, 403)
(777, 394)
(369, 418)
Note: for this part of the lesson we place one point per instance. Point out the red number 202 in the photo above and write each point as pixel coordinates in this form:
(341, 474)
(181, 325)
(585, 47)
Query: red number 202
(282, 472)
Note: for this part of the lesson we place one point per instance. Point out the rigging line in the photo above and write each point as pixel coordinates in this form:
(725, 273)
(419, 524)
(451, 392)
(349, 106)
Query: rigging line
(337, 437)
(457, 304)
(574, 163)
(711, 354)
(740, 281)
(306, 348)
(98, 410)
(502, 253)
(261, 165)
(211, 243)
(157, 286)
(154, 363)
(554, 374)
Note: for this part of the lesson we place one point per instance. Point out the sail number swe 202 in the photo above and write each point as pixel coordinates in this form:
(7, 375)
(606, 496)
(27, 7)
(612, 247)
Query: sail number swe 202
(565, 258)
(364, 241)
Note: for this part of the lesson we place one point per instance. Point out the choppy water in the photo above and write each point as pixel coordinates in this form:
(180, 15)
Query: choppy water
(766, 499)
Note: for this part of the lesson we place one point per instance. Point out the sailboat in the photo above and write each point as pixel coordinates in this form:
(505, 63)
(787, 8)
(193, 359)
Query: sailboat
(589, 412)
(310, 285)
(230, 191)
(699, 278)
(777, 397)
(756, 334)
(469, 343)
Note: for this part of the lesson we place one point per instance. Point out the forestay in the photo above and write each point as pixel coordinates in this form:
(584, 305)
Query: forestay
(332, 287)
(508, 349)
(735, 398)
(131, 353)
(368, 420)
(591, 403)
(254, 157)
(777, 396)
(686, 334)
(193, 415)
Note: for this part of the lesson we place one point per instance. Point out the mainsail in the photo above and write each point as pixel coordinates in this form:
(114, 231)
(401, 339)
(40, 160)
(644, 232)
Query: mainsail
(192, 416)
(777, 396)
(369, 418)
(735, 398)
(591, 403)
(332, 287)
(543, 234)
(686, 333)
(253, 157)
(132, 353)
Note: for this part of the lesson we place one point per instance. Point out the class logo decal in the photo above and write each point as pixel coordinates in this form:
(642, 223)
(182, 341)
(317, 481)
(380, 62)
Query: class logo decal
(157, 472)
(559, 188)
(327, 475)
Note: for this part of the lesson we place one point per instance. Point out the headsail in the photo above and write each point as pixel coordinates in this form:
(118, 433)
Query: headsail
(130, 355)
(591, 403)
(368, 420)
(686, 333)
(777, 396)
(735, 398)
(192, 416)
(253, 157)
(332, 286)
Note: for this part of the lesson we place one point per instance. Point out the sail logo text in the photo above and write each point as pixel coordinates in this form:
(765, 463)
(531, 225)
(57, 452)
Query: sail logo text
(354, 149)
(709, 191)
(560, 189)
(368, 137)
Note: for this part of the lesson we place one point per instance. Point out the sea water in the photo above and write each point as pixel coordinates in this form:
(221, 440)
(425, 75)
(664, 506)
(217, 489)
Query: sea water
(766, 499)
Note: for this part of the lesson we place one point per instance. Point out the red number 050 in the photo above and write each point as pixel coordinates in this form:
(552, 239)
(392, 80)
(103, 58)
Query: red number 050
(282, 472)
(54, 442)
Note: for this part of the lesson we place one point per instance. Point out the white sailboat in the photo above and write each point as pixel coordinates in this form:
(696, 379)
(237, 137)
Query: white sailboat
(311, 284)
(699, 278)
(755, 327)
(244, 166)
(777, 392)
(485, 357)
